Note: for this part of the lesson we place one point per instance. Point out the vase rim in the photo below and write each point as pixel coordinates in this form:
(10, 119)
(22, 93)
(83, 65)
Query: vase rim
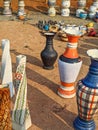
(49, 33)
(73, 32)
(93, 53)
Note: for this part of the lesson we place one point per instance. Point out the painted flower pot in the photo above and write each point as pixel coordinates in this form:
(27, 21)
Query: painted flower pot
(5, 109)
(87, 95)
(49, 55)
(69, 63)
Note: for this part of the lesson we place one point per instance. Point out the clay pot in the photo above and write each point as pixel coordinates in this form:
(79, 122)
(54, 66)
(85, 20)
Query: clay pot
(5, 117)
(87, 95)
(69, 63)
(49, 55)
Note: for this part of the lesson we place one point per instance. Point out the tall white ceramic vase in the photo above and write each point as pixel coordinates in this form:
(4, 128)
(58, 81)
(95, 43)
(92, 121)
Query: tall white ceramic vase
(21, 119)
(6, 66)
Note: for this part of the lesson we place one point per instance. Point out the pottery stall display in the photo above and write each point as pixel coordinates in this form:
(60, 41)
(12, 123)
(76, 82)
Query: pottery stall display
(69, 65)
(7, 8)
(51, 10)
(6, 66)
(87, 95)
(21, 119)
(49, 55)
(81, 7)
(65, 11)
(5, 107)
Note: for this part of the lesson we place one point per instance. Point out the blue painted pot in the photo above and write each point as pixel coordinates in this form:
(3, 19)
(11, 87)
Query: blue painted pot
(83, 15)
(87, 95)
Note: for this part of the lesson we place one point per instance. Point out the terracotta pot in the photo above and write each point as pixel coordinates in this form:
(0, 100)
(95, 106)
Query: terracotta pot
(5, 117)
(69, 63)
(87, 95)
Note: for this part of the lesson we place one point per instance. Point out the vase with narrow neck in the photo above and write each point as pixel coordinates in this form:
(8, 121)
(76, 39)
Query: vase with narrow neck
(87, 95)
(7, 9)
(49, 55)
(69, 65)
(5, 109)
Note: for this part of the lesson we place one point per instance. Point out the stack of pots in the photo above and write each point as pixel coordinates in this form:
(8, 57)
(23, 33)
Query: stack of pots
(51, 10)
(93, 9)
(7, 9)
(65, 11)
(81, 6)
(21, 10)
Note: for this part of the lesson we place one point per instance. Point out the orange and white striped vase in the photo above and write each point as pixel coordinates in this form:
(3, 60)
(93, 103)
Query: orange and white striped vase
(5, 117)
(69, 65)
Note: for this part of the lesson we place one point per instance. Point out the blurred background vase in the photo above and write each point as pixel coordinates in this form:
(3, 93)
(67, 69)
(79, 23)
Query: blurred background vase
(51, 10)
(87, 95)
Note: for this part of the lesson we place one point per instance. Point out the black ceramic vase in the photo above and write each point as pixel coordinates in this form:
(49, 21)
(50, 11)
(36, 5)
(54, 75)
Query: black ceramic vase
(49, 55)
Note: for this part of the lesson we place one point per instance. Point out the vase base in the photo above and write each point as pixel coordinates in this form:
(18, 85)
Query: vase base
(48, 68)
(80, 124)
(66, 96)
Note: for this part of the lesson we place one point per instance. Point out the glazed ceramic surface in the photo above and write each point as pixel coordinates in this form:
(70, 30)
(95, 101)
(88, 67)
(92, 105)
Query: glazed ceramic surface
(49, 55)
(69, 63)
(87, 95)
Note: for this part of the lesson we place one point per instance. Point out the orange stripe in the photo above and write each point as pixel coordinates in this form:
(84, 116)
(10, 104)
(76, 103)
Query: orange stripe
(64, 92)
(91, 104)
(67, 84)
(71, 53)
(81, 101)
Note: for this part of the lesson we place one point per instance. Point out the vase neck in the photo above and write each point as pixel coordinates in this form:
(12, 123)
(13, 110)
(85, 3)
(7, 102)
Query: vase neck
(91, 79)
(94, 66)
(49, 39)
(71, 51)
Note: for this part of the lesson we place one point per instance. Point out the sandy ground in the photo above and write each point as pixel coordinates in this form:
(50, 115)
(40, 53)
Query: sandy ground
(48, 110)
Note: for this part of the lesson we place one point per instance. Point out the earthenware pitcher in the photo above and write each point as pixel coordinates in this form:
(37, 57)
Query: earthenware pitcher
(5, 108)
(87, 95)
(69, 65)
(49, 55)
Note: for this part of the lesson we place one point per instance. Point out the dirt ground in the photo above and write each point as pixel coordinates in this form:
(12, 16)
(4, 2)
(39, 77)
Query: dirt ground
(48, 111)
